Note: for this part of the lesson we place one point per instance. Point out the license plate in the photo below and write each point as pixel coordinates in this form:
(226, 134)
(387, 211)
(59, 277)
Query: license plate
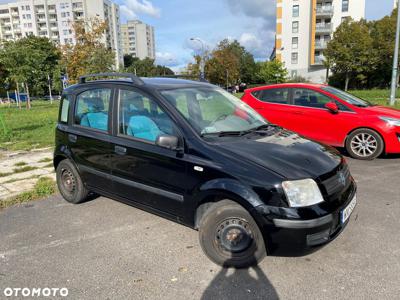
(345, 213)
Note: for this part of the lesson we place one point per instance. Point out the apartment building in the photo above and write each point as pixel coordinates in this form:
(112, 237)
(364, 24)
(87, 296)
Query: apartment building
(303, 29)
(54, 19)
(138, 39)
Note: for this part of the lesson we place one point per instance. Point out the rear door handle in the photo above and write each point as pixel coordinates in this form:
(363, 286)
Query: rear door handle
(298, 112)
(72, 138)
(120, 150)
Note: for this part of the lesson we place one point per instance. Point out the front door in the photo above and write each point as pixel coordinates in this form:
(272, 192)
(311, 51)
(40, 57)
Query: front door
(142, 171)
(315, 121)
(89, 137)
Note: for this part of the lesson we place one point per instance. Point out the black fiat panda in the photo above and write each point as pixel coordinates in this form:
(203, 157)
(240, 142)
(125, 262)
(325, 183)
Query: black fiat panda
(195, 154)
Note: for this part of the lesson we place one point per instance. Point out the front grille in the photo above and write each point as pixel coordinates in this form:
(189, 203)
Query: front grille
(337, 182)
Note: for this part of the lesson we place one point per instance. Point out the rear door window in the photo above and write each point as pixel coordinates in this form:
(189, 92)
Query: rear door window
(280, 96)
(91, 108)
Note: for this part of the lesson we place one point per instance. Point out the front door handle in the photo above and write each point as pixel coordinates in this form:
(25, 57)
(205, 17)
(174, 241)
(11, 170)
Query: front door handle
(120, 150)
(72, 138)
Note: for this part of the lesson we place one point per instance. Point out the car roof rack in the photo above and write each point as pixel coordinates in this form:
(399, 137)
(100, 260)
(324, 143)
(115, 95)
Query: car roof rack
(135, 79)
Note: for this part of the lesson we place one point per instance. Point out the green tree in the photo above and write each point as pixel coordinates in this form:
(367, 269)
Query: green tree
(247, 65)
(383, 32)
(88, 55)
(272, 71)
(223, 67)
(349, 52)
(145, 67)
(30, 61)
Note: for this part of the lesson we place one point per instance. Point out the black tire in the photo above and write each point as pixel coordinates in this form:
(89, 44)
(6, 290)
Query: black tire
(223, 221)
(364, 144)
(69, 182)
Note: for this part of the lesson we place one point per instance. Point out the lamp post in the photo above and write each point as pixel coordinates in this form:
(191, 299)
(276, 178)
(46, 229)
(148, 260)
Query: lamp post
(395, 60)
(202, 62)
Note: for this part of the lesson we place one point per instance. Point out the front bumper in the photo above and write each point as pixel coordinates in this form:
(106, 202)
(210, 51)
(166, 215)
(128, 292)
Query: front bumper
(294, 235)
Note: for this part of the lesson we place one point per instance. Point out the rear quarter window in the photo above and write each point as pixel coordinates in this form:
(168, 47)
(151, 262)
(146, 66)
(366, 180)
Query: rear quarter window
(64, 108)
(280, 96)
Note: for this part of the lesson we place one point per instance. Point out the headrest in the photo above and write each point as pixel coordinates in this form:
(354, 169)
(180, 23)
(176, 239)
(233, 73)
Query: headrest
(94, 104)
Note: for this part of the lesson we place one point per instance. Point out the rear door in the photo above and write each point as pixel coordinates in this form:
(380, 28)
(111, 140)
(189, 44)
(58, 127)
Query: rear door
(142, 171)
(89, 136)
(272, 104)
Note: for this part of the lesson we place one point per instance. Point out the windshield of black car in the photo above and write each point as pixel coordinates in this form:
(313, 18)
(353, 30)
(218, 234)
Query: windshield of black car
(349, 98)
(213, 110)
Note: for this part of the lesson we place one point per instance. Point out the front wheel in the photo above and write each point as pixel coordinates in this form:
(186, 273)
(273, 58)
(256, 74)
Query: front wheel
(230, 237)
(365, 144)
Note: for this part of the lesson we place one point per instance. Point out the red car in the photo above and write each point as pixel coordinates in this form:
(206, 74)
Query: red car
(330, 116)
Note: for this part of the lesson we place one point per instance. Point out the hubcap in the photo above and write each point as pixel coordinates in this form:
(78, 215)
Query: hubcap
(234, 235)
(364, 144)
(68, 181)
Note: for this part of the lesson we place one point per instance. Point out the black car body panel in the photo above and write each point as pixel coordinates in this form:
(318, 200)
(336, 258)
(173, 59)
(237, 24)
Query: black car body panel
(248, 169)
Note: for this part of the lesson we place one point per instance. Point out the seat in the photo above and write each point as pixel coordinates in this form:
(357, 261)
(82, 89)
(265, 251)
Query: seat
(144, 128)
(95, 117)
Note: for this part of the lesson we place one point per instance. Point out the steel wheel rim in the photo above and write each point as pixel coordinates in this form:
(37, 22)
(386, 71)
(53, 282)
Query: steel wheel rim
(364, 144)
(68, 181)
(234, 235)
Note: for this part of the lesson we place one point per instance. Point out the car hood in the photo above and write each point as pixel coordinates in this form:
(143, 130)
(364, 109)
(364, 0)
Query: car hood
(383, 111)
(284, 152)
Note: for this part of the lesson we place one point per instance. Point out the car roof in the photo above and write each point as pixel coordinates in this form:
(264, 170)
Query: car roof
(282, 85)
(159, 83)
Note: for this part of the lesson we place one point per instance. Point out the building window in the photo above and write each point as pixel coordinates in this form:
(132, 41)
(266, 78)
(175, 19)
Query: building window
(295, 58)
(295, 27)
(295, 10)
(345, 5)
(295, 42)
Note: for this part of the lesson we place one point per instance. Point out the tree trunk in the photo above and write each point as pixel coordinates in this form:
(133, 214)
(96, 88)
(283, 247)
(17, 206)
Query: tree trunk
(17, 97)
(346, 85)
(28, 100)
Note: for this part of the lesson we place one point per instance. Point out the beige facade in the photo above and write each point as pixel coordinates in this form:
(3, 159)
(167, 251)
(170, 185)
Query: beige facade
(138, 39)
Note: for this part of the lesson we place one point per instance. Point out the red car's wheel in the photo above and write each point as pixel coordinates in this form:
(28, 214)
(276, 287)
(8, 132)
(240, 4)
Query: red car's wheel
(364, 144)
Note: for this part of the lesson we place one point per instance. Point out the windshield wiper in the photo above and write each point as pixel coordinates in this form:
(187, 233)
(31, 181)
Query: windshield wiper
(223, 133)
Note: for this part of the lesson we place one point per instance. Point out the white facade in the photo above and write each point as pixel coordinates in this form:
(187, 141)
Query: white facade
(54, 19)
(303, 28)
(138, 39)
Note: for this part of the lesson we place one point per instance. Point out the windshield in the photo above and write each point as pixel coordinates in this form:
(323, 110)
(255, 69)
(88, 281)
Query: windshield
(349, 98)
(213, 111)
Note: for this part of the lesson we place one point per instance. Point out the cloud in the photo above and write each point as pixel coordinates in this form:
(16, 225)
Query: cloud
(130, 9)
(166, 59)
(259, 37)
(254, 8)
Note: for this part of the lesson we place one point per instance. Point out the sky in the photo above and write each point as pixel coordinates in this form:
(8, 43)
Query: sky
(251, 22)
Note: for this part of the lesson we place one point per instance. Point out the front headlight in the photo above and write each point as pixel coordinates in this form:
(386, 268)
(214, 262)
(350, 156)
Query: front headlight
(391, 121)
(303, 192)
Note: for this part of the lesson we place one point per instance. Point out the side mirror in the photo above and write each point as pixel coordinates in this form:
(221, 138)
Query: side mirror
(167, 141)
(332, 107)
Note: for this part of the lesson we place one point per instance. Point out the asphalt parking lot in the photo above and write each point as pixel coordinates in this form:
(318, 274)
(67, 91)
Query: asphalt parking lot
(104, 249)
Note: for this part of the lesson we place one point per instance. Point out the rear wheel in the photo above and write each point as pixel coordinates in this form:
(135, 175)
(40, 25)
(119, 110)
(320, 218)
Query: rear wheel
(70, 183)
(364, 144)
(230, 237)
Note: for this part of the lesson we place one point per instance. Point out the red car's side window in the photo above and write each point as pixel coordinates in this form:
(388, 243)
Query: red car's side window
(280, 96)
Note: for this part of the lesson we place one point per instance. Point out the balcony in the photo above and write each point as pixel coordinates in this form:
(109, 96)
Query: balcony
(324, 11)
(321, 44)
(319, 60)
(323, 28)
(14, 13)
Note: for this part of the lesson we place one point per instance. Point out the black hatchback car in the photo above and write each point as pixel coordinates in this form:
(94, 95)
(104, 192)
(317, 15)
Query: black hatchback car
(195, 154)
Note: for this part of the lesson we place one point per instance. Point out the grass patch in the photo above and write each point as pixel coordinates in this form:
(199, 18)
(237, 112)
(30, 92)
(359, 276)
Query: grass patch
(24, 169)
(20, 164)
(22, 129)
(44, 187)
(19, 179)
(46, 159)
(50, 165)
(5, 174)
